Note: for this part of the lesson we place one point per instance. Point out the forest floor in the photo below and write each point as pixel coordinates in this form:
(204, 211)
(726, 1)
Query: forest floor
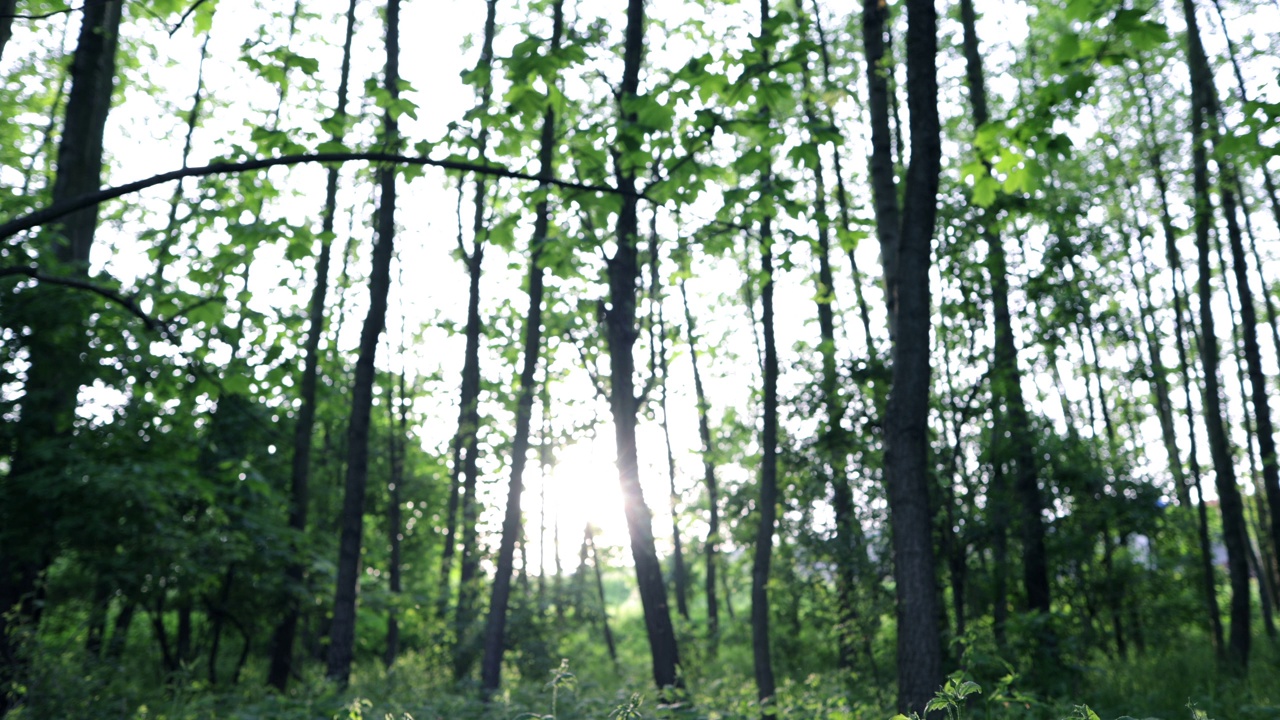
(1182, 684)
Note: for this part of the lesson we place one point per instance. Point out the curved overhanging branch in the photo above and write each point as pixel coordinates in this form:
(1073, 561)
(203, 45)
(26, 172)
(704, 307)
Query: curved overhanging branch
(59, 210)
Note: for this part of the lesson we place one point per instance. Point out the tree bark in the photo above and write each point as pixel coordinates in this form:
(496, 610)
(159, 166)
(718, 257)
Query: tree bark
(842, 195)
(495, 628)
(396, 448)
(834, 447)
(300, 468)
(658, 339)
(469, 417)
(623, 270)
(589, 545)
(1182, 329)
(768, 503)
(1006, 375)
(56, 345)
(708, 475)
(1229, 502)
(343, 628)
(906, 257)
(7, 10)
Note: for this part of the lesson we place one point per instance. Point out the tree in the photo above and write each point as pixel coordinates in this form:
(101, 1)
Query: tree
(56, 366)
(342, 632)
(906, 239)
(283, 640)
(495, 629)
(621, 332)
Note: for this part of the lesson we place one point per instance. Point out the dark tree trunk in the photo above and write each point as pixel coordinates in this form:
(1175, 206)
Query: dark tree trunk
(768, 507)
(1182, 329)
(495, 628)
(658, 338)
(768, 503)
(621, 333)
(7, 10)
(834, 446)
(589, 544)
(1248, 325)
(99, 608)
(396, 448)
(1229, 502)
(842, 196)
(708, 478)
(880, 166)
(120, 631)
(299, 490)
(1157, 373)
(469, 418)
(907, 256)
(1006, 377)
(55, 346)
(343, 628)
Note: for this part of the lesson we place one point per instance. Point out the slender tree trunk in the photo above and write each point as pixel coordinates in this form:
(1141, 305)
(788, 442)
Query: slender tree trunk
(396, 449)
(906, 251)
(343, 628)
(1248, 326)
(880, 166)
(120, 631)
(768, 507)
(1006, 375)
(1229, 502)
(1183, 329)
(621, 331)
(768, 503)
(495, 628)
(658, 339)
(834, 443)
(300, 472)
(55, 346)
(589, 544)
(708, 475)
(469, 419)
(842, 195)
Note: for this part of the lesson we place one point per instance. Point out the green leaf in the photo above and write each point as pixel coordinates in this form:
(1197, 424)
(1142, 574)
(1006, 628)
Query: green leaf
(984, 191)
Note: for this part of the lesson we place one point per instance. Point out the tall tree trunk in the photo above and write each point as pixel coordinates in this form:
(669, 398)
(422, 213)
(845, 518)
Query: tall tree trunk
(589, 545)
(768, 491)
(834, 450)
(658, 339)
(768, 503)
(880, 165)
(469, 418)
(343, 629)
(300, 470)
(1229, 502)
(907, 251)
(396, 448)
(1157, 373)
(495, 628)
(621, 331)
(842, 195)
(1183, 328)
(1006, 377)
(708, 473)
(1248, 326)
(56, 345)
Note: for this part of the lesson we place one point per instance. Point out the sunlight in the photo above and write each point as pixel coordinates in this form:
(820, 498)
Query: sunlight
(582, 488)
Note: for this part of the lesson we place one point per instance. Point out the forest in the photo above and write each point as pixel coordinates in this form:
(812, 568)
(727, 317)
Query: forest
(569, 359)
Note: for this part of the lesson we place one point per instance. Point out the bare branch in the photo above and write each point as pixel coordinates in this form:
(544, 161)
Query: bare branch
(58, 210)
